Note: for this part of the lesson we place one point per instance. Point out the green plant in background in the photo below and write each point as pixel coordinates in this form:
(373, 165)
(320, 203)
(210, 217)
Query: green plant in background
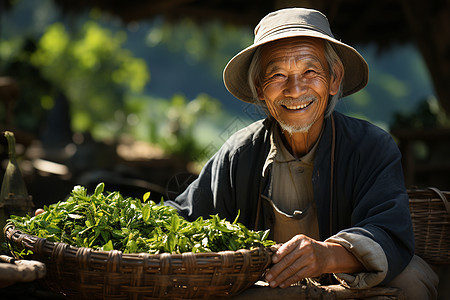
(181, 127)
(213, 42)
(90, 67)
(108, 221)
(177, 135)
(104, 84)
(94, 72)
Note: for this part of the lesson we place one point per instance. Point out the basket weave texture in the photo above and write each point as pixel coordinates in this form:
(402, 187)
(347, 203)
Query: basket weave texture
(83, 273)
(430, 213)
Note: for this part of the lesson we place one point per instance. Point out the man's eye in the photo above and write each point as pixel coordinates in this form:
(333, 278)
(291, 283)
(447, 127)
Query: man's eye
(310, 71)
(278, 75)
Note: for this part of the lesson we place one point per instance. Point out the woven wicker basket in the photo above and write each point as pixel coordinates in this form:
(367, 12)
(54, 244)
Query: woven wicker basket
(430, 213)
(83, 273)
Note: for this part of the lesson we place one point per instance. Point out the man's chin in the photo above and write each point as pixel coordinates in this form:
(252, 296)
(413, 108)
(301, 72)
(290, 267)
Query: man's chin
(291, 128)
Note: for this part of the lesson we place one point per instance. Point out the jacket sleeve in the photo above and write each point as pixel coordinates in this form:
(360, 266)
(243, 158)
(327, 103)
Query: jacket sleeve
(380, 208)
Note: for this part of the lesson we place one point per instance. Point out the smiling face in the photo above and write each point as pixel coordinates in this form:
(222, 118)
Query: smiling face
(296, 82)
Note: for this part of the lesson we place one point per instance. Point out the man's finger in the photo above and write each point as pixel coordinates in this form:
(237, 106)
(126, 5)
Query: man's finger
(286, 248)
(288, 273)
(287, 259)
(284, 281)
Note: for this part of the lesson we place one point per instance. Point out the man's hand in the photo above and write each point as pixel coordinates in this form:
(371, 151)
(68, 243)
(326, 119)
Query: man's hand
(303, 257)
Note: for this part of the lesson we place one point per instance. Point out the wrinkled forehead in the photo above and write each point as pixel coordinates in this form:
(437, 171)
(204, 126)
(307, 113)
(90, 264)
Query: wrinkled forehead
(293, 49)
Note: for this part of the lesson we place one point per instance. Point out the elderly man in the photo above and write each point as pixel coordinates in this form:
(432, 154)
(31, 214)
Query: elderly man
(329, 187)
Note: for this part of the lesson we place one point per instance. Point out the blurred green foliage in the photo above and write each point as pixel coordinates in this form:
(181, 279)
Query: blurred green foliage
(174, 123)
(105, 86)
(94, 72)
(212, 42)
(90, 68)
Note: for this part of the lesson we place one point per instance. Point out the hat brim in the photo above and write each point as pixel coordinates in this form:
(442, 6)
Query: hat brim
(235, 74)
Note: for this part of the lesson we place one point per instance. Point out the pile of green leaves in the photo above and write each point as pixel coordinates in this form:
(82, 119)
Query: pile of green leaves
(107, 222)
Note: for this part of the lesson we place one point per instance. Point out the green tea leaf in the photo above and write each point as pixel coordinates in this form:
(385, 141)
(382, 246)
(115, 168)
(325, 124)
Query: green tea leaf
(99, 189)
(146, 196)
(146, 213)
(237, 217)
(75, 216)
(171, 242)
(174, 223)
(108, 246)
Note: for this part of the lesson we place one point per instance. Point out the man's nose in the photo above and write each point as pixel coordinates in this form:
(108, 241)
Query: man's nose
(294, 86)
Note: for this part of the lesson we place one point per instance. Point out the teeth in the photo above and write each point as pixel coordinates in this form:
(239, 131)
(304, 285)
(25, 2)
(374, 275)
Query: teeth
(301, 106)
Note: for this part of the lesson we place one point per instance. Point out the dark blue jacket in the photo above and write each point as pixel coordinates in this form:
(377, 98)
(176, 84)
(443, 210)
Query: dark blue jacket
(368, 194)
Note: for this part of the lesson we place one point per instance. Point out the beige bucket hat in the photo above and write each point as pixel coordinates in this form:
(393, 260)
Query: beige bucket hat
(293, 22)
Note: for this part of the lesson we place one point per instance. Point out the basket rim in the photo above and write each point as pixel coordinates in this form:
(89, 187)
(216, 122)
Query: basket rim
(430, 192)
(14, 235)
(427, 191)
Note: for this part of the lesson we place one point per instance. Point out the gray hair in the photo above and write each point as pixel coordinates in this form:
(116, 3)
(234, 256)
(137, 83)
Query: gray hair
(254, 77)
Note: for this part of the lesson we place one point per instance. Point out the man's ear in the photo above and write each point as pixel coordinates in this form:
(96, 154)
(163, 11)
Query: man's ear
(336, 79)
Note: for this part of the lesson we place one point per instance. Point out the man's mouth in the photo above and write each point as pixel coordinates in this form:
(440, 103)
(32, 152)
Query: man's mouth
(298, 107)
